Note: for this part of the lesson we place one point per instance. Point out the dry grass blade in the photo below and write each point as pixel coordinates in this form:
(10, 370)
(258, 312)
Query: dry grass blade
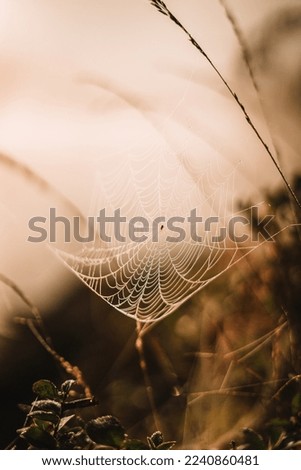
(161, 6)
(295, 378)
(243, 45)
(72, 370)
(247, 57)
(27, 173)
(33, 309)
(36, 326)
(239, 390)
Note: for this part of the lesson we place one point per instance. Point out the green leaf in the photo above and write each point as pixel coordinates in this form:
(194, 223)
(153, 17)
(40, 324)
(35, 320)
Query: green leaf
(296, 404)
(45, 389)
(253, 439)
(39, 438)
(106, 430)
(275, 428)
(48, 416)
(45, 425)
(278, 422)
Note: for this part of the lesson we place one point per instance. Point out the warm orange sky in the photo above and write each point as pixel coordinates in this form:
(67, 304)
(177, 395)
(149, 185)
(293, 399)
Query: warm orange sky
(51, 48)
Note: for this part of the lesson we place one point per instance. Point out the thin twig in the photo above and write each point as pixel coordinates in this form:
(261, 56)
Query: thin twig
(27, 173)
(162, 8)
(225, 392)
(296, 378)
(247, 57)
(235, 391)
(257, 343)
(167, 366)
(244, 47)
(72, 370)
(33, 309)
(36, 326)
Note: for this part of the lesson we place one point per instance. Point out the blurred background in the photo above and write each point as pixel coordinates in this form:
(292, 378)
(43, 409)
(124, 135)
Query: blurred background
(82, 85)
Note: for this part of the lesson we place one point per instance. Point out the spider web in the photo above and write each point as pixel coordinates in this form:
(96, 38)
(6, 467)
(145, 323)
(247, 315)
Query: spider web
(147, 280)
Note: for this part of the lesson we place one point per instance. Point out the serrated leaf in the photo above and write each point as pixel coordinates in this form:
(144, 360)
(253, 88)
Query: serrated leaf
(48, 416)
(106, 430)
(48, 405)
(45, 389)
(39, 438)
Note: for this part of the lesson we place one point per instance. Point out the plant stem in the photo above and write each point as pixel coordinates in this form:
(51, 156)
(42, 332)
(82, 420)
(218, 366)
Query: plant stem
(143, 366)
